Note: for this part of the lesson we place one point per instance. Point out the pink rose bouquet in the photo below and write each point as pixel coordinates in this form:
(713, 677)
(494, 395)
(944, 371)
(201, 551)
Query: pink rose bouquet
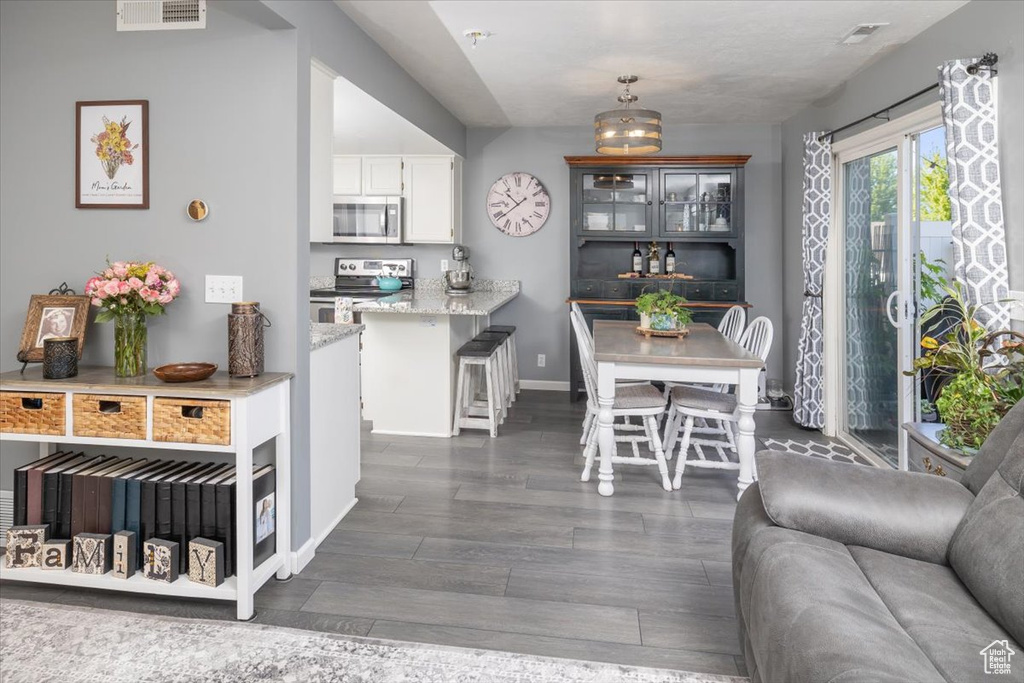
(131, 287)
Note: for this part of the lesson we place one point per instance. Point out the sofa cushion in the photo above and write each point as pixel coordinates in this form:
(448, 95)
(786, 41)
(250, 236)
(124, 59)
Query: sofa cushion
(908, 513)
(987, 550)
(935, 609)
(995, 449)
(811, 615)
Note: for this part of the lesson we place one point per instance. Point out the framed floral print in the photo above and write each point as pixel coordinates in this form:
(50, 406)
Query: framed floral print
(112, 154)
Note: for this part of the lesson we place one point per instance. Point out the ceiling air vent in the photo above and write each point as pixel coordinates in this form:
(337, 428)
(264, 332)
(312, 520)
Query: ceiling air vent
(860, 33)
(160, 15)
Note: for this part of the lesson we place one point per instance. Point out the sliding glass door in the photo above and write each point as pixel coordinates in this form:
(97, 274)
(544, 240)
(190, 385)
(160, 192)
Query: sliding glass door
(871, 253)
(892, 250)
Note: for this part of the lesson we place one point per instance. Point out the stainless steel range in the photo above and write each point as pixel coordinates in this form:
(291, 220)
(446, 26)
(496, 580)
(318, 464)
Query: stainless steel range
(357, 278)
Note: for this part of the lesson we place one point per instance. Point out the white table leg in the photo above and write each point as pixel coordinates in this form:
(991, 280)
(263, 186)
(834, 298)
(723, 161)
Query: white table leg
(245, 513)
(606, 433)
(283, 469)
(745, 445)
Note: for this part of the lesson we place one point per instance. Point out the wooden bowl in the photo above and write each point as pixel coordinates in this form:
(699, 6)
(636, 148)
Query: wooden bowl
(184, 372)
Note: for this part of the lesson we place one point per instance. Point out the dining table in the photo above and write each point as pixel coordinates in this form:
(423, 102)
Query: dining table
(703, 356)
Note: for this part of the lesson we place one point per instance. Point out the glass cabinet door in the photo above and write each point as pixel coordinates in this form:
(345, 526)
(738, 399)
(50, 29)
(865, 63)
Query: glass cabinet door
(696, 203)
(616, 204)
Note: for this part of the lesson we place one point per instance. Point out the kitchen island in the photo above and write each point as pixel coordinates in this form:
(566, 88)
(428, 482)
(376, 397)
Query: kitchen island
(334, 444)
(408, 357)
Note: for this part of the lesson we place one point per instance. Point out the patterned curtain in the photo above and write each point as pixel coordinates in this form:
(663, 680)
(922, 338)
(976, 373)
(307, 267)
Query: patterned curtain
(808, 404)
(979, 238)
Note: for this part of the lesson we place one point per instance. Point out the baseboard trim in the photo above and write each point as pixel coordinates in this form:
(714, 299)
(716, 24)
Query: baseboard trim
(543, 385)
(337, 520)
(303, 556)
(389, 432)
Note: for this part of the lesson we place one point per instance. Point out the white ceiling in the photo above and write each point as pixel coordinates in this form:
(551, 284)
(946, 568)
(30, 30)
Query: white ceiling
(554, 62)
(362, 125)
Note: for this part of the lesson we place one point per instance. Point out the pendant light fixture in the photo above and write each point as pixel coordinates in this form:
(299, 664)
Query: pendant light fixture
(625, 131)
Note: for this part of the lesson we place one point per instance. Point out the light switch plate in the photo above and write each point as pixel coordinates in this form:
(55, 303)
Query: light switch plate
(223, 289)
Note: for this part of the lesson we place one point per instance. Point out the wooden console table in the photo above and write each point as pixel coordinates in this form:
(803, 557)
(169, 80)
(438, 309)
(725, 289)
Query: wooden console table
(259, 411)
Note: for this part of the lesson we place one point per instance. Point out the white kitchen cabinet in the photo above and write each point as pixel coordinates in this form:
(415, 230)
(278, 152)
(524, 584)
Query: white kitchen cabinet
(348, 175)
(321, 140)
(382, 176)
(433, 199)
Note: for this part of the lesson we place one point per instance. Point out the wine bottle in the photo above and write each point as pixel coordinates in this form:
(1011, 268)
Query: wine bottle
(653, 260)
(638, 259)
(670, 260)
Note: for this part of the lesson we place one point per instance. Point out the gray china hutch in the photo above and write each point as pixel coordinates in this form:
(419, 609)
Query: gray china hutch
(694, 203)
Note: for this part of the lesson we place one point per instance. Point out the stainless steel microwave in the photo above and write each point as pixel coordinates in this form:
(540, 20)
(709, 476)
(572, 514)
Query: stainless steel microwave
(368, 220)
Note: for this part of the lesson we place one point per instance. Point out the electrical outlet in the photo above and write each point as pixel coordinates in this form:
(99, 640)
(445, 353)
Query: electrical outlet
(223, 289)
(542, 360)
(444, 264)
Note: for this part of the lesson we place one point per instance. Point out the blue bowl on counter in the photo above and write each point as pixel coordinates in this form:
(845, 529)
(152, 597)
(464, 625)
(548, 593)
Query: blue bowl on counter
(389, 284)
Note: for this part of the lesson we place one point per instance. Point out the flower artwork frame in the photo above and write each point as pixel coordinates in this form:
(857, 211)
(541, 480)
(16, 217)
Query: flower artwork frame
(112, 154)
(52, 316)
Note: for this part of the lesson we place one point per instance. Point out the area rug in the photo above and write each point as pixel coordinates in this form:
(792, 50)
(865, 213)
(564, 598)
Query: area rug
(816, 449)
(50, 643)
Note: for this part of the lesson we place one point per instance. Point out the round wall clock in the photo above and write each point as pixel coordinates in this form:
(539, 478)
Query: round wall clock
(518, 204)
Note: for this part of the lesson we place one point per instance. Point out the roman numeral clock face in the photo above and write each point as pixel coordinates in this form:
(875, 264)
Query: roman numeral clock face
(518, 204)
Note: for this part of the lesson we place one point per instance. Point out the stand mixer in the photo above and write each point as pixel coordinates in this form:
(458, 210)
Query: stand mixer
(459, 279)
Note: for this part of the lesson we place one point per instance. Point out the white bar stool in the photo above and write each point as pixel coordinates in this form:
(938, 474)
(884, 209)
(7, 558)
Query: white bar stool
(483, 354)
(513, 357)
(508, 392)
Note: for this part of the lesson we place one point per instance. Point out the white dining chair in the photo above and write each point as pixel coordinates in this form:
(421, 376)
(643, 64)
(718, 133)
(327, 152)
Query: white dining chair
(579, 322)
(642, 401)
(689, 403)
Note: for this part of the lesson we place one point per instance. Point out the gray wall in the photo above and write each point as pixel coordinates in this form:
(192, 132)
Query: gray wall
(340, 44)
(209, 117)
(978, 27)
(541, 261)
(217, 97)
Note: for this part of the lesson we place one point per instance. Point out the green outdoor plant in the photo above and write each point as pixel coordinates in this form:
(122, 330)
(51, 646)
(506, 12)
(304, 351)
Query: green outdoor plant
(667, 303)
(935, 188)
(932, 279)
(985, 370)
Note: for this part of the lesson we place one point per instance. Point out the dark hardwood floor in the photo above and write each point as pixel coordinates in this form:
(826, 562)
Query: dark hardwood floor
(497, 544)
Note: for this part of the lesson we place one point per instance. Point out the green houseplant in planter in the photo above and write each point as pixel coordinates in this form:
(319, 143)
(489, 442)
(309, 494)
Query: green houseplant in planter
(663, 311)
(982, 372)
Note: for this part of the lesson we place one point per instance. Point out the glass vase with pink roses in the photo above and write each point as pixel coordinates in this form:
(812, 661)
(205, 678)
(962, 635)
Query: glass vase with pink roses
(127, 292)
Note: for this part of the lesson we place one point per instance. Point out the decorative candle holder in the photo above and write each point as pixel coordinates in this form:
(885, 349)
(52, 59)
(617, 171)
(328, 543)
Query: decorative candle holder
(245, 339)
(60, 357)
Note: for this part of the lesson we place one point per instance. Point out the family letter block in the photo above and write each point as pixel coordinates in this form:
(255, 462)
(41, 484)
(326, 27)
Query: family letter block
(161, 560)
(125, 555)
(57, 553)
(206, 561)
(92, 553)
(25, 545)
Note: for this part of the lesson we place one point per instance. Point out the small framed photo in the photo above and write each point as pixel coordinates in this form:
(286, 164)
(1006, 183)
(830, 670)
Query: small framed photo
(49, 317)
(112, 154)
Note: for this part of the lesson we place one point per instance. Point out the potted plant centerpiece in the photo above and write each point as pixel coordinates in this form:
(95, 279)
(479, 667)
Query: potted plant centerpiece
(663, 312)
(980, 373)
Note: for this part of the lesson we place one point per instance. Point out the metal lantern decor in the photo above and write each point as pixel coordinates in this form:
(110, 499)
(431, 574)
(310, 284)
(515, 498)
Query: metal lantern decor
(245, 339)
(625, 131)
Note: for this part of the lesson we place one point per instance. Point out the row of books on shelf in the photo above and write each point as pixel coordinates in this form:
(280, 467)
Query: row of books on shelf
(171, 500)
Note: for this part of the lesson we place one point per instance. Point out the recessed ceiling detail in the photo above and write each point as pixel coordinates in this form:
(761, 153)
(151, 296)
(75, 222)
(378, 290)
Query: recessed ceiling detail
(703, 61)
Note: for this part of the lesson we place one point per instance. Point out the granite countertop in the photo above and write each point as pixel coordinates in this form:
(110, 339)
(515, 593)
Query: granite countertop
(428, 298)
(426, 302)
(324, 334)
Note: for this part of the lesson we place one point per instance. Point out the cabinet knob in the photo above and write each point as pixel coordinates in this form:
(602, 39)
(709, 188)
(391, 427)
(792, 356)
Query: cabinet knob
(662, 202)
(649, 202)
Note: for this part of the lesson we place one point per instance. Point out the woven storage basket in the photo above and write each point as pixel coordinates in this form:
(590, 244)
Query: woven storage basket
(109, 416)
(31, 413)
(187, 420)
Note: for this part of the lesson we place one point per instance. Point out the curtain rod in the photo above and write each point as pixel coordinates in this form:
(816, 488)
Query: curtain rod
(877, 114)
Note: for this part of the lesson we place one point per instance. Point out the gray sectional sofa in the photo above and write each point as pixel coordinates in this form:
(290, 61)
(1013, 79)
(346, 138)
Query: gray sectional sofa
(847, 573)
